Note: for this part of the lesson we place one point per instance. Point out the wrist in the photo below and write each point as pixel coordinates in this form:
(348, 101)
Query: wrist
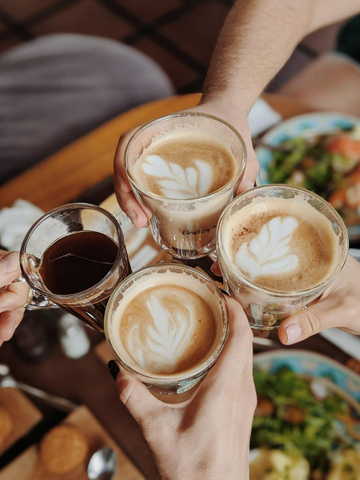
(224, 106)
(229, 462)
(233, 97)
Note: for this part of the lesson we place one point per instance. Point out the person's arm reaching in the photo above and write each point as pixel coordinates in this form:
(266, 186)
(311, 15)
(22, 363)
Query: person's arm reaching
(255, 42)
(208, 436)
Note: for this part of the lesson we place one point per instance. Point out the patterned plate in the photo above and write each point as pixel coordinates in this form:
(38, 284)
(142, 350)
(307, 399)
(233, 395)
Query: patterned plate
(334, 376)
(303, 125)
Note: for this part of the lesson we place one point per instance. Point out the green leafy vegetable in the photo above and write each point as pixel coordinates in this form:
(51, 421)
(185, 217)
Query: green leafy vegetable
(314, 437)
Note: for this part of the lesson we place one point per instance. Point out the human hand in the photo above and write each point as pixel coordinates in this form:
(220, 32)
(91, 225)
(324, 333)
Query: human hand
(13, 299)
(127, 201)
(208, 435)
(338, 306)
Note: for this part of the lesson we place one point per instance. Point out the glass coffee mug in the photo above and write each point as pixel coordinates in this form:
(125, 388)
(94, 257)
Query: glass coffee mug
(185, 228)
(168, 341)
(269, 249)
(60, 225)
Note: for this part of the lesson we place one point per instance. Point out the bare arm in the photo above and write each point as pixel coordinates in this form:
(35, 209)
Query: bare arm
(255, 42)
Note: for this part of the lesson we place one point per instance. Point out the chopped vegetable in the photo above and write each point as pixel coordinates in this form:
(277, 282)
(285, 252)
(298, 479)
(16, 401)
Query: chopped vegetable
(327, 165)
(300, 424)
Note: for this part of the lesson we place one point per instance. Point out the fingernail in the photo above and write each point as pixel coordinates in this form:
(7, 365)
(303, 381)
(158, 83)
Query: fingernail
(132, 217)
(10, 262)
(293, 333)
(247, 185)
(113, 369)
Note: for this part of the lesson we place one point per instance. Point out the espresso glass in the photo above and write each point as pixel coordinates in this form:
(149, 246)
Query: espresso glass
(186, 228)
(177, 384)
(266, 309)
(88, 305)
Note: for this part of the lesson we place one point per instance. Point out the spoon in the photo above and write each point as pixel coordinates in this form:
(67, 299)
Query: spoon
(102, 465)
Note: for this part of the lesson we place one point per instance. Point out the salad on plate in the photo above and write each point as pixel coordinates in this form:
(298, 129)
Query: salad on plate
(325, 163)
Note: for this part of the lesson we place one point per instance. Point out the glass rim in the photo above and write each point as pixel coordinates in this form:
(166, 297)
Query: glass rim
(226, 187)
(277, 293)
(71, 206)
(204, 366)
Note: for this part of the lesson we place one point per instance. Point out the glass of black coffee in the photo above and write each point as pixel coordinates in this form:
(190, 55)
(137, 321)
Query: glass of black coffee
(73, 257)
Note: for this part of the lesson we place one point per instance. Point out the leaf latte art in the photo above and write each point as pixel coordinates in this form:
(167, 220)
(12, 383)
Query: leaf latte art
(167, 339)
(281, 244)
(184, 166)
(268, 252)
(176, 182)
(167, 328)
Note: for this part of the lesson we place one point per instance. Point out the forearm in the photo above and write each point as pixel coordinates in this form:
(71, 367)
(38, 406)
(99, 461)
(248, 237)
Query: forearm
(255, 42)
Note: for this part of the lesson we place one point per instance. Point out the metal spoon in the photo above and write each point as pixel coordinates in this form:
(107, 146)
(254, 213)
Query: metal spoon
(102, 465)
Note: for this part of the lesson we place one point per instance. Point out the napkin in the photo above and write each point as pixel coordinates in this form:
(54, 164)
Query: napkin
(15, 221)
(347, 342)
(262, 117)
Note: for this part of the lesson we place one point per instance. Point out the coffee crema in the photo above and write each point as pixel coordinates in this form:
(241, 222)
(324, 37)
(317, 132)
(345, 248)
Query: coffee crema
(182, 165)
(165, 328)
(282, 244)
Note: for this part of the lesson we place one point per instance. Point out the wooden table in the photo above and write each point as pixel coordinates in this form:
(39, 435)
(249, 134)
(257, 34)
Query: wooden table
(83, 164)
(67, 175)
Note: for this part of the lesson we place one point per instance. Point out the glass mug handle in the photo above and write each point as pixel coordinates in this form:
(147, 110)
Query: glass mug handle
(36, 301)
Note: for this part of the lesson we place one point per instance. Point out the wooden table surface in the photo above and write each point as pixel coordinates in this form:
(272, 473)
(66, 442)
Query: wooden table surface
(28, 466)
(69, 174)
(86, 162)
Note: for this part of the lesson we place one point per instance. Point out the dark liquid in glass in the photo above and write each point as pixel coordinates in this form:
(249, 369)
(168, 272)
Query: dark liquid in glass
(78, 262)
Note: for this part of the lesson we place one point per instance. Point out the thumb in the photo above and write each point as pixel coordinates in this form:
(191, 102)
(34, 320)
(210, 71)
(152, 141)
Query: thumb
(326, 313)
(252, 168)
(133, 394)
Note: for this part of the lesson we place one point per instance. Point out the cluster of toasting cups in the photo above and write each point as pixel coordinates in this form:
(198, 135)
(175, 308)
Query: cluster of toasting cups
(186, 229)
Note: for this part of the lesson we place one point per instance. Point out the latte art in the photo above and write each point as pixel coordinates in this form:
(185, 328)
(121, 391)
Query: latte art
(165, 340)
(281, 244)
(166, 329)
(175, 181)
(269, 251)
(184, 166)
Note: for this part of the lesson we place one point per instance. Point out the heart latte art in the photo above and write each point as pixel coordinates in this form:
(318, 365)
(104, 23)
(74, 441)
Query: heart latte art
(282, 244)
(167, 329)
(184, 166)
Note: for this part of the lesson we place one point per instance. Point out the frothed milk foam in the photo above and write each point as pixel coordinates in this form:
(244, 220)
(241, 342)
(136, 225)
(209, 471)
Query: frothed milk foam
(282, 244)
(166, 325)
(184, 164)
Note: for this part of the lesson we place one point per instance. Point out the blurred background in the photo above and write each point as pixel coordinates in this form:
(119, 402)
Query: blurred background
(179, 35)
(63, 105)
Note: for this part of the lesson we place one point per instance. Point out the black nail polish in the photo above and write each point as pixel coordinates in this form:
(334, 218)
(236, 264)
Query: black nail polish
(113, 369)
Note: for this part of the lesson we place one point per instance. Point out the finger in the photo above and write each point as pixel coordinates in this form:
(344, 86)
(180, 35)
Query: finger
(15, 296)
(9, 267)
(326, 313)
(251, 170)
(136, 397)
(238, 348)
(8, 323)
(216, 269)
(124, 193)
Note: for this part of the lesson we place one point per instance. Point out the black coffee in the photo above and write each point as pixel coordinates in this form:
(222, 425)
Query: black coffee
(77, 262)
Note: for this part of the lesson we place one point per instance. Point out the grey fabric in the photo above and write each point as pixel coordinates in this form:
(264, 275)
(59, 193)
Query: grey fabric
(56, 88)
